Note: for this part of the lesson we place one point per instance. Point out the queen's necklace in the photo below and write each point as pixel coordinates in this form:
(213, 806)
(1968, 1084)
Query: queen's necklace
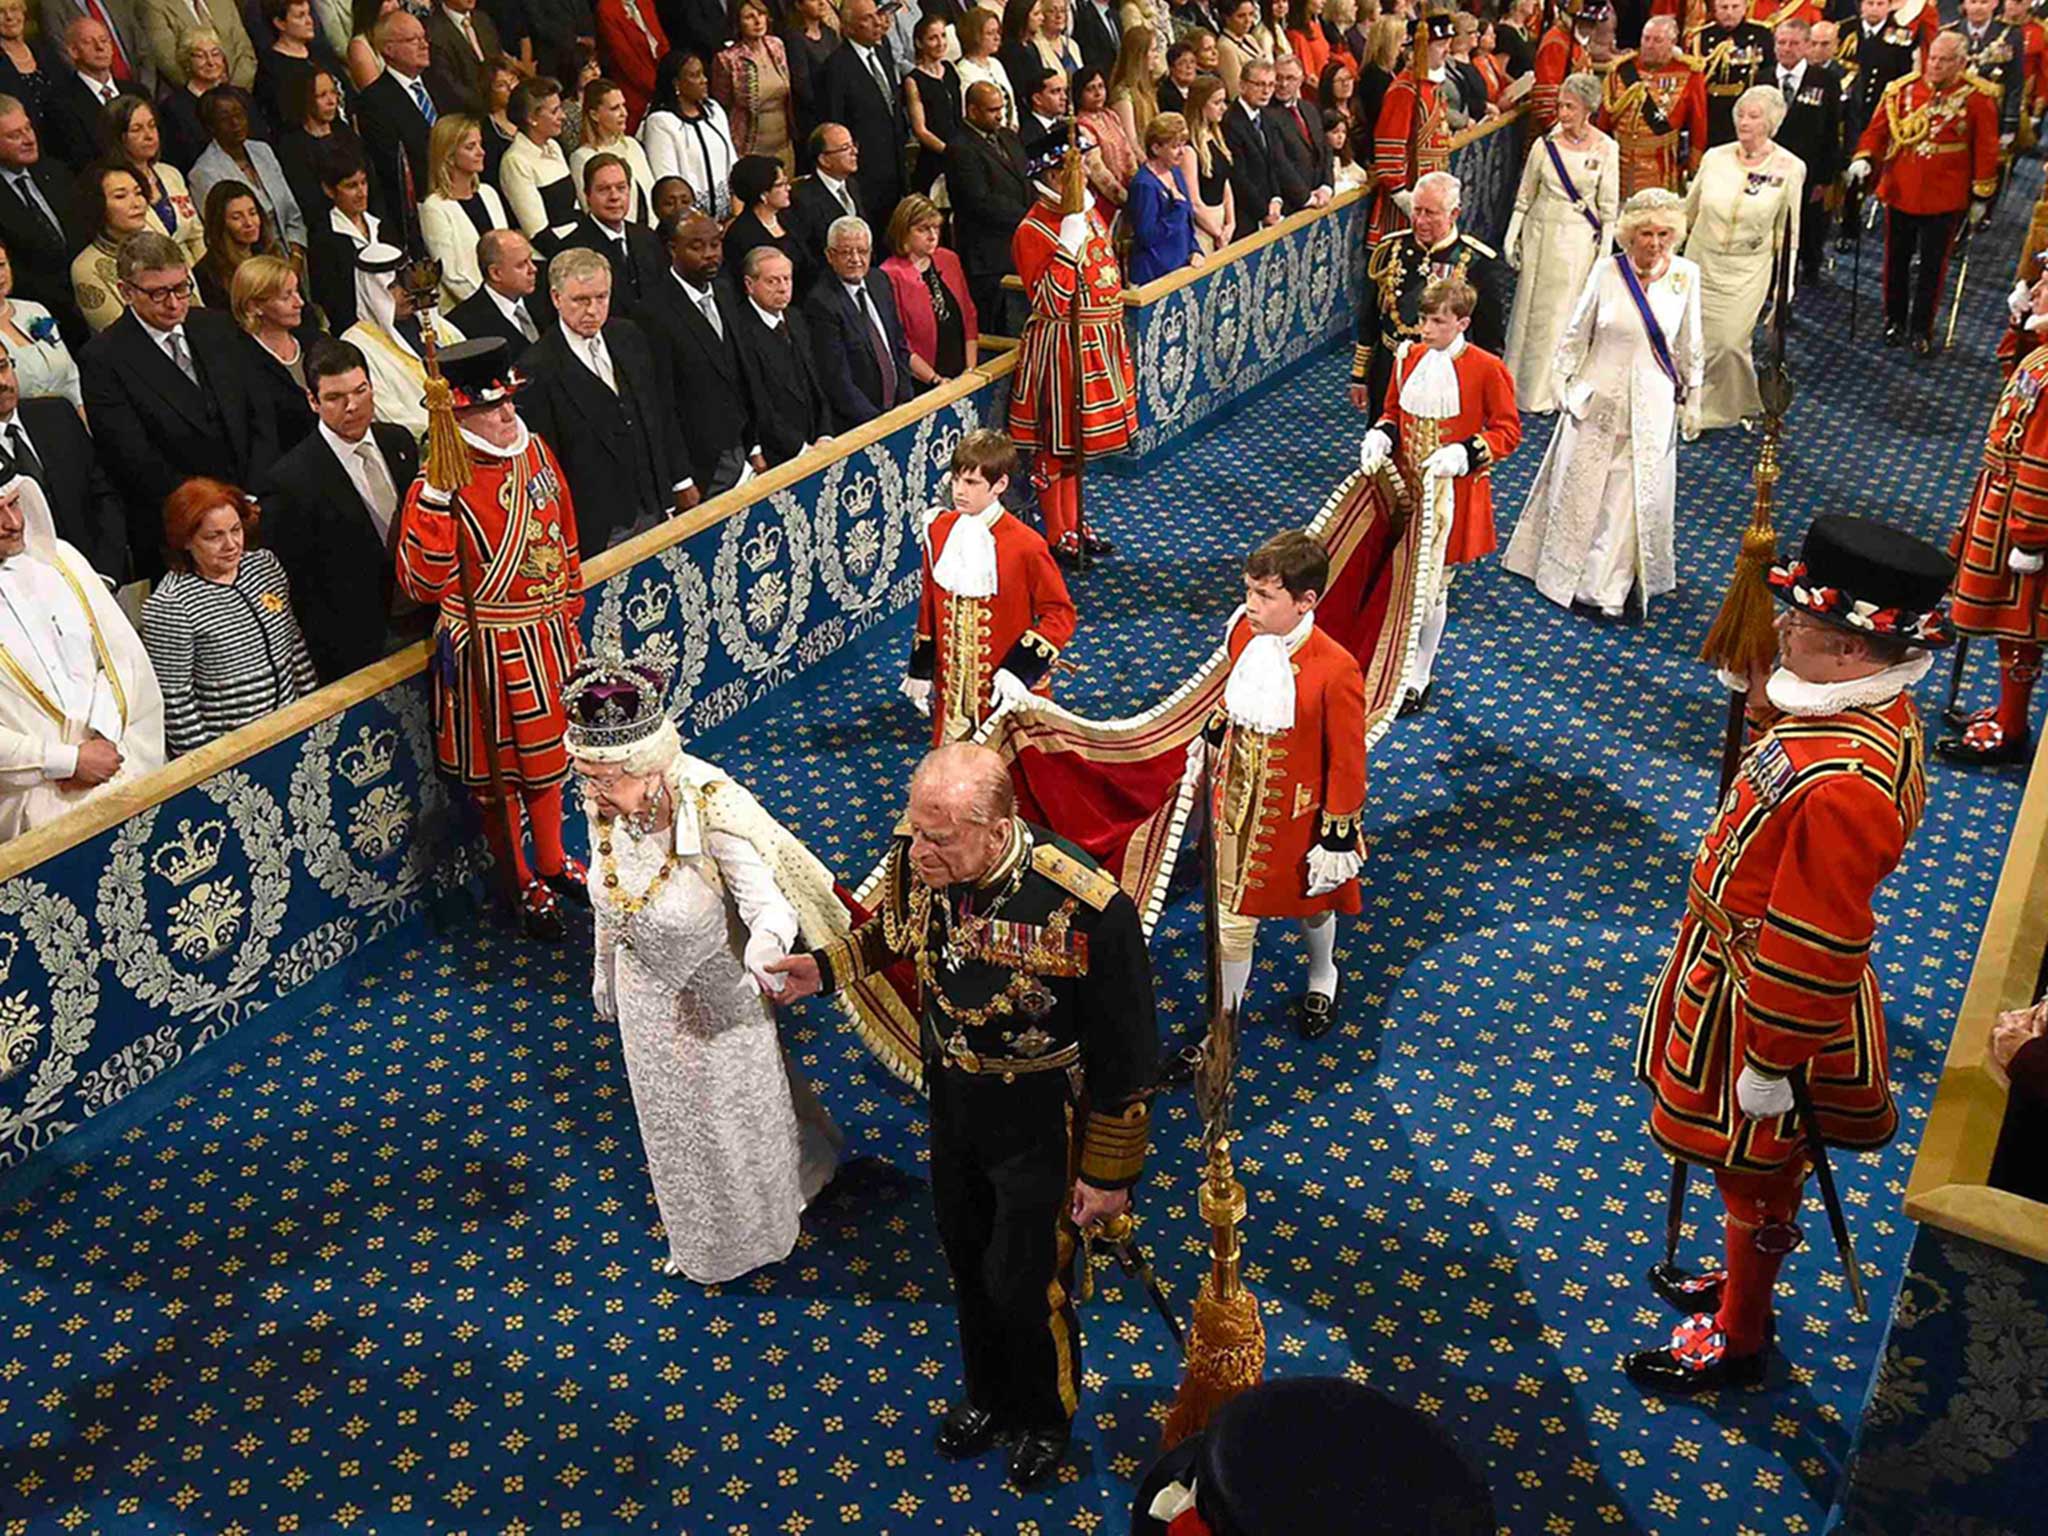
(623, 900)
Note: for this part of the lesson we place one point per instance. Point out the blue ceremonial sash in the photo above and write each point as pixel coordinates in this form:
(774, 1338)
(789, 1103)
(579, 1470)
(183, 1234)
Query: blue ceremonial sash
(1659, 347)
(1570, 189)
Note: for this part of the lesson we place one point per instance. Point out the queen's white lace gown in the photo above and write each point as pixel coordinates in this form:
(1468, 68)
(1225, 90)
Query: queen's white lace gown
(737, 1143)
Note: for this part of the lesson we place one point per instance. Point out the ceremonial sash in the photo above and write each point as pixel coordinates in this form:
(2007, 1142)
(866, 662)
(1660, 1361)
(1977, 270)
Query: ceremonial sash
(1659, 347)
(1570, 188)
(1639, 95)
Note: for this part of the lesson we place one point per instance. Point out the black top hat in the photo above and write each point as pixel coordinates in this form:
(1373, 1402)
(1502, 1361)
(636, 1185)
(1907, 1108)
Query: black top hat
(1869, 578)
(479, 372)
(1316, 1454)
(1438, 26)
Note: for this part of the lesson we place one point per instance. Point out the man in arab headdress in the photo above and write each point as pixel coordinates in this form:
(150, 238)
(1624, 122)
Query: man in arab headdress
(389, 336)
(79, 704)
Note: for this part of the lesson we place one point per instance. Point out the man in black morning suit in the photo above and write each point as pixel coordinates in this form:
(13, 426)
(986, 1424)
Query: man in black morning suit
(831, 191)
(510, 302)
(863, 362)
(788, 408)
(460, 36)
(1812, 130)
(991, 192)
(35, 200)
(44, 440)
(394, 123)
(332, 518)
(80, 86)
(857, 88)
(1260, 172)
(691, 320)
(171, 392)
(635, 255)
(594, 394)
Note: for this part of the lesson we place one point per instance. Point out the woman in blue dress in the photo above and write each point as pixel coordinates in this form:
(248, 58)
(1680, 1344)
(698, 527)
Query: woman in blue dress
(1160, 212)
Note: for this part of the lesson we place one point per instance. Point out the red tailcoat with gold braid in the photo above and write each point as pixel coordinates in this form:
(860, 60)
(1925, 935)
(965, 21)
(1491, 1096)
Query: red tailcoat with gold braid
(1408, 102)
(1280, 795)
(2008, 510)
(1487, 423)
(1658, 116)
(521, 534)
(1042, 388)
(962, 642)
(1559, 56)
(1935, 150)
(1772, 964)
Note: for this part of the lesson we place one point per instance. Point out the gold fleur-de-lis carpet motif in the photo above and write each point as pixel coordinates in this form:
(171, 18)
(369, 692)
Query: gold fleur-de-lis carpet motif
(390, 1268)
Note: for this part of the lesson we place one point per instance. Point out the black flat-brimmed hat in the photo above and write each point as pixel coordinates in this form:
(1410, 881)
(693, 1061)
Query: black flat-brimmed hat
(1048, 152)
(1869, 578)
(1438, 26)
(479, 372)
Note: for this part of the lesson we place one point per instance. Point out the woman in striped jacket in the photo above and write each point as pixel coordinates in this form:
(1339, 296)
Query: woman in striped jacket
(219, 627)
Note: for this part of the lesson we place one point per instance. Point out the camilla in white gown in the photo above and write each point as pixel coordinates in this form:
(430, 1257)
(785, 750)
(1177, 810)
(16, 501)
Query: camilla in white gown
(695, 889)
(1599, 519)
(1551, 241)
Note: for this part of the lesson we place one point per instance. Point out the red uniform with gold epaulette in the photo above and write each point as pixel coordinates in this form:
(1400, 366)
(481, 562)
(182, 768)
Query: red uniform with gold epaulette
(1408, 102)
(1775, 13)
(1487, 423)
(1282, 794)
(1042, 388)
(1559, 56)
(1658, 116)
(1922, 18)
(962, 642)
(1772, 970)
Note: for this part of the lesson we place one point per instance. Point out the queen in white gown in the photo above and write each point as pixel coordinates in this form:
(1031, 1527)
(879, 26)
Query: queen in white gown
(1599, 518)
(695, 889)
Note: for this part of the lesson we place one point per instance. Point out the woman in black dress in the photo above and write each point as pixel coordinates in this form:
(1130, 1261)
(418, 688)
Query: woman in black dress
(760, 190)
(313, 108)
(931, 101)
(808, 42)
(29, 71)
(296, 51)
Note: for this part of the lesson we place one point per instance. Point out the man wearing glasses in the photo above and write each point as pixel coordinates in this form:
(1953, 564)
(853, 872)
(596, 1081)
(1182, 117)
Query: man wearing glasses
(171, 393)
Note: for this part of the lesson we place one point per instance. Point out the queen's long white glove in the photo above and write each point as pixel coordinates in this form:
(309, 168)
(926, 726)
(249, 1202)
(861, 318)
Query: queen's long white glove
(1007, 685)
(1374, 451)
(2020, 563)
(761, 949)
(919, 691)
(1859, 170)
(1448, 462)
(1762, 1097)
(1328, 869)
(1073, 233)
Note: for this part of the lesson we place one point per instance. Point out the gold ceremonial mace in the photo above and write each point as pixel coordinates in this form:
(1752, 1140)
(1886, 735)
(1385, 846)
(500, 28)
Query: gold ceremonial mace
(446, 468)
(1226, 1351)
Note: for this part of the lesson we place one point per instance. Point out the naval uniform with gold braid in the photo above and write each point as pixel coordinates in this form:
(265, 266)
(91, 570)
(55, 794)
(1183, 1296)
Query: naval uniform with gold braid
(1039, 1042)
(1396, 272)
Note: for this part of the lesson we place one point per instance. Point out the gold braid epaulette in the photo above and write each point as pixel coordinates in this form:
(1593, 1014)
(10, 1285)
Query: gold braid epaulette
(1093, 887)
(1113, 1145)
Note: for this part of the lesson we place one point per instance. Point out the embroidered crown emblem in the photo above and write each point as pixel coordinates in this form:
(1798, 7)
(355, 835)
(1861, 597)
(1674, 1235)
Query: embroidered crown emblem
(192, 853)
(648, 607)
(858, 499)
(761, 550)
(370, 758)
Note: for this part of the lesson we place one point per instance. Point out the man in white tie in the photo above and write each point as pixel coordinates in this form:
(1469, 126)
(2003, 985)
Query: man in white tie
(79, 704)
(503, 304)
(1812, 130)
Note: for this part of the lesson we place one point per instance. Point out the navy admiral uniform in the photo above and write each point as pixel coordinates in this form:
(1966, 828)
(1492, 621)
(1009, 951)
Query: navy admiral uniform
(1396, 272)
(1732, 59)
(1039, 1041)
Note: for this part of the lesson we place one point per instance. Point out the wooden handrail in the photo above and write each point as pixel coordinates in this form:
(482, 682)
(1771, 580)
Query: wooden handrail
(181, 773)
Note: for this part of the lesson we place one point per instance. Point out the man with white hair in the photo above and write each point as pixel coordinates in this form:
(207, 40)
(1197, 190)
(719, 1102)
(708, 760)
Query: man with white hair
(79, 702)
(1404, 264)
(863, 361)
(1655, 105)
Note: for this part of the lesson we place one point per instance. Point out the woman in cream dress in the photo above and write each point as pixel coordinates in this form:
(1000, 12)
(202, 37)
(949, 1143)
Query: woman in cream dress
(1554, 239)
(1598, 521)
(1743, 207)
(695, 891)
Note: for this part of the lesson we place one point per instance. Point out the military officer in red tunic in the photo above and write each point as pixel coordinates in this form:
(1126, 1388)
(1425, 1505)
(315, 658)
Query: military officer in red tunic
(1655, 105)
(2000, 548)
(995, 613)
(1411, 137)
(1563, 51)
(1290, 774)
(1771, 972)
(1063, 244)
(519, 541)
(1451, 416)
(1936, 137)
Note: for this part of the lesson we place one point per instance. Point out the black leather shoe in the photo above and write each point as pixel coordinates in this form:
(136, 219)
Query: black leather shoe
(966, 1431)
(1413, 703)
(1067, 551)
(540, 914)
(2008, 750)
(1097, 544)
(1963, 719)
(1686, 1291)
(1696, 1360)
(1036, 1456)
(1894, 335)
(1177, 1068)
(572, 884)
(1315, 1013)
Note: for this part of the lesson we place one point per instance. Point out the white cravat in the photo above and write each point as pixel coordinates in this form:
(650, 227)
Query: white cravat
(966, 567)
(1431, 390)
(42, 625)
(1260, 692)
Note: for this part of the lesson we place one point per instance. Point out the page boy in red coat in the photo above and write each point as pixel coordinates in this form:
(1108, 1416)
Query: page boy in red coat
(995, 613)
(1451, 415)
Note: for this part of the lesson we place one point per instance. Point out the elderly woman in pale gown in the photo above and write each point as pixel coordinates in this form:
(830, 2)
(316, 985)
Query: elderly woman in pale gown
(1563, 223)
(695, 890)
(1598, 521)
(1742, 207)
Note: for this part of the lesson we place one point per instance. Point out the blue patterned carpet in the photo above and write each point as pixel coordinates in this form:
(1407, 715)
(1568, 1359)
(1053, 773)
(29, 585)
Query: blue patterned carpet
(392, 1269)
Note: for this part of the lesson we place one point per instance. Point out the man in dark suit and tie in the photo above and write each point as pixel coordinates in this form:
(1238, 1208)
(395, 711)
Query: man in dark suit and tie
(395, 114)
(331, 512)
(1099, 29)
(991, 192)
(1263, 180)
(44, 440)
(132, 62)
(171, 392)
(829, 192)
(596, 397)
(857, 88)
(635, 255)
(71, 111)
(690, 318)
(1812, 130)
(34, 198)
(506, 304)
(789, 410)
(863, 362)
(459, 38)
(1295, 126)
